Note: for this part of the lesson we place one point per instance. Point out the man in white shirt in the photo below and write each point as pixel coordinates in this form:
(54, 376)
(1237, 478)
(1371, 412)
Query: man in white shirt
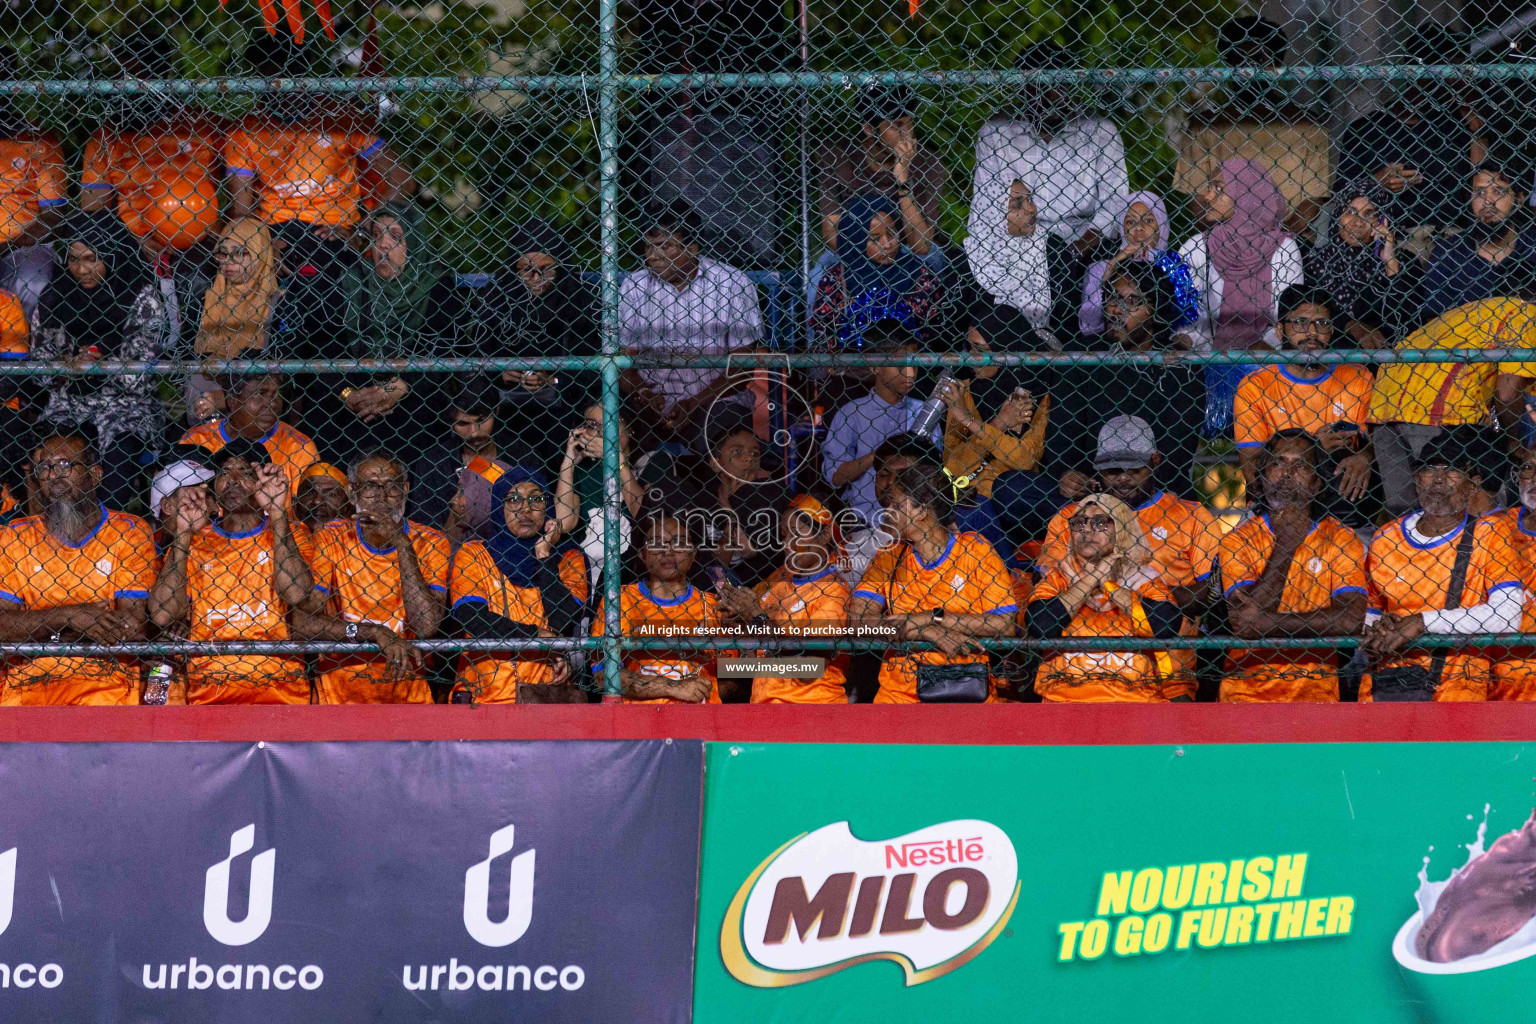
(682, 305)
(1073, 166)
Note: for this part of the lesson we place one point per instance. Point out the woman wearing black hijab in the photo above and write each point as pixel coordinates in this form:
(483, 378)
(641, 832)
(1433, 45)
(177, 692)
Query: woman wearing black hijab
(106, 305)
(544, 308)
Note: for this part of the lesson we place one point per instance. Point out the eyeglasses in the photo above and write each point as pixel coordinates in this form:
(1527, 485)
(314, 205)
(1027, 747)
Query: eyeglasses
(1092, 524)
(594, 425)
(546, 273)
(392, 487)
(58, 467)
(1301, 323)
(229, 254)
(519, 501)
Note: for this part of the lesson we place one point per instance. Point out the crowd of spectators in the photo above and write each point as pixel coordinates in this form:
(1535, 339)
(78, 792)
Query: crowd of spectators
(1061, 499)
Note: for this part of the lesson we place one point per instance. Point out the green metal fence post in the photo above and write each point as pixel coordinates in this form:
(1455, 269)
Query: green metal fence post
(608, 151)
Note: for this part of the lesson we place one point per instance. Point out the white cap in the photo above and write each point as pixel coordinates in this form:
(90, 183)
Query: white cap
(172, 478)
(1125, 442)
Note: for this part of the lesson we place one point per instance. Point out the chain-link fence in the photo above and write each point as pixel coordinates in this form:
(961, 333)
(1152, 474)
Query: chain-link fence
(942, 351)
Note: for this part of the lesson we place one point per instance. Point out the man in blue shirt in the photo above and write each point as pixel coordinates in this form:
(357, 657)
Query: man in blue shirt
(848, 454)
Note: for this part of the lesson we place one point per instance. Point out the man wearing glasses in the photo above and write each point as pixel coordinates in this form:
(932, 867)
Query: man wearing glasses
(77, 573)
(386, 580)
(1330, 401)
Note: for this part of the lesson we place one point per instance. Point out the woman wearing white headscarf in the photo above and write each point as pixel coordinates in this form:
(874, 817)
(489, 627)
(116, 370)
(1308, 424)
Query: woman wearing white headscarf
(1144, 230)
(1009, 261)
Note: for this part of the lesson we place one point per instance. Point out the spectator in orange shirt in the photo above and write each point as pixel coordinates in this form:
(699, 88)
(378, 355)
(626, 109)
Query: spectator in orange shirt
(324, 495)
(1181, 535)
(34, 190)
(298, 166)
(1414, 565)
(77, 572)
(1514, 670)
(937, 586)
(1286, 575)
(385, 579)
(661, 604)
(807, 596)
(1331, 401)
(256, 402)
(520, 573)
(237, 578)
(1103, 588)
(154, 162)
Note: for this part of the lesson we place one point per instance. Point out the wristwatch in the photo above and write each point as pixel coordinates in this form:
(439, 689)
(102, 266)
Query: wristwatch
(938, 617)
(351, 631)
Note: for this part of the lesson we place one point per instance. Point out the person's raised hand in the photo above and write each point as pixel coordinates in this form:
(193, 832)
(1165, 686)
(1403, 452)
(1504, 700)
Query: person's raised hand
(191, 516)
(272, 489)
(545, 545)
(1074, 484)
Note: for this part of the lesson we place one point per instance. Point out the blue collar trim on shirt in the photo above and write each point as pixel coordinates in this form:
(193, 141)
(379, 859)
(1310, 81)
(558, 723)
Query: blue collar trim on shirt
(1312, 528)
(645, 592)
(1285, 371)
(1403, 526)
(1150, 502)
(263, 439)
(800, 581)
(94, 531)
(937, 561)
(239, 536)
(405, 529)
(1520, 523)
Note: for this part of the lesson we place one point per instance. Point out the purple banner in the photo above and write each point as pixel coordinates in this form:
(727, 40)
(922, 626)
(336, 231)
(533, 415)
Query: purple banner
(441, 882)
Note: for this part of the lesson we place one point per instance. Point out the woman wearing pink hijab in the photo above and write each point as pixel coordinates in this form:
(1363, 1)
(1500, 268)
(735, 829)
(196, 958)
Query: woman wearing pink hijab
(1243, 261)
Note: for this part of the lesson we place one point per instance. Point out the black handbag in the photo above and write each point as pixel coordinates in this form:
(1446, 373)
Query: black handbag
(1405, 683)
(953, 684)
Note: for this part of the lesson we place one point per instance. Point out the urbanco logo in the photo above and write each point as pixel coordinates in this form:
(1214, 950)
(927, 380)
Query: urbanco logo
(258, 913)
(930, 900)
(7, 887)
(477, 894)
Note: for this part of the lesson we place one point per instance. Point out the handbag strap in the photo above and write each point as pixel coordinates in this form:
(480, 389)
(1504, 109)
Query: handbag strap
(1454, 590)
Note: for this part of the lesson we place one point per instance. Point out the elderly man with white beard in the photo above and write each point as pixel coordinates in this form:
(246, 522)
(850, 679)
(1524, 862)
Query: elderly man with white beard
(386, 581)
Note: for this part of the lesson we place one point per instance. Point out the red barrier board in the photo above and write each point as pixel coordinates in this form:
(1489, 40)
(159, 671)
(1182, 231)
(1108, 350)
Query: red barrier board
(1033, 724)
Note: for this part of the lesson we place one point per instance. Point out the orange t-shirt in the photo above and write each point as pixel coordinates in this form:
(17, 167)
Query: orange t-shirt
(232, 597)
(492, 678)
(168, 161)
(1182, 536)
(1514, 668)
(1102, 676)
(306, 172)
(642, 614)
(15, 335)
(291, 451)
(1329, 563)
(816, 605)
(364, 586)
(1272, 399)
(33, 177)
(1407, 577)
(968, 578)
(115, 562)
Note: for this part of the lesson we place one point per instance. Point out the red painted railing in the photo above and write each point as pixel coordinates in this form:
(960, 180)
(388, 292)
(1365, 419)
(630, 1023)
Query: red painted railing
(992, 724)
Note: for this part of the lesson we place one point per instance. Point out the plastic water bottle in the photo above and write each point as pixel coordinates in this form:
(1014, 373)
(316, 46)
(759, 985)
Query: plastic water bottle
(157, 685)
(932, 412)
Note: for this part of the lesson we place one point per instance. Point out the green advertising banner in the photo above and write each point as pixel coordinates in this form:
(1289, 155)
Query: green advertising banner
(1288, 883)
